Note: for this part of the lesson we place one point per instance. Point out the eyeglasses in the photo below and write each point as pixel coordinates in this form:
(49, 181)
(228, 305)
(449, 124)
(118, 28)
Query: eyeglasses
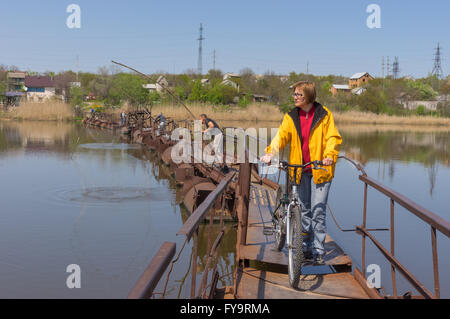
(297, 95)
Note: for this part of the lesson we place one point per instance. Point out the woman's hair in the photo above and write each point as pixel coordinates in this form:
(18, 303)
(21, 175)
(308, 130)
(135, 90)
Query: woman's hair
(308, 88)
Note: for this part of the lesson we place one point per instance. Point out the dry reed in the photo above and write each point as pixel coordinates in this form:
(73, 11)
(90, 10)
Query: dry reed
(260, 112)
(49, 111)
(353, 117)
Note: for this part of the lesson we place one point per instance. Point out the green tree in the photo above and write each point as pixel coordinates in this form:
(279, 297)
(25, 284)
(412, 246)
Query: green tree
(199, 92)
(420, 110)
(421, 91)
(372, 100)
(127, 87)
(76, 96)
(221, 94)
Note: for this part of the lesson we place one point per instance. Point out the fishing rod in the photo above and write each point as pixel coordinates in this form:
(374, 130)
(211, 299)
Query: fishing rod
(166, 89)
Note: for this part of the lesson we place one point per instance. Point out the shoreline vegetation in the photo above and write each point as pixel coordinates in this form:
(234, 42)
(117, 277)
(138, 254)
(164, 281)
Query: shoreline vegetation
(256, 112)
(50, 111)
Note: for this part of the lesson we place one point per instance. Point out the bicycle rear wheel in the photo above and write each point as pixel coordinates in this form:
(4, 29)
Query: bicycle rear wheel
(295, 252)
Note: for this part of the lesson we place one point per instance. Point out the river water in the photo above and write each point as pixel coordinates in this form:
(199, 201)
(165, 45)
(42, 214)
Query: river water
(73, 195)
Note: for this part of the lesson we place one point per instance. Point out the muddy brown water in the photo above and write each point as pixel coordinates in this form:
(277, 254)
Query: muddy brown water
(74, 195)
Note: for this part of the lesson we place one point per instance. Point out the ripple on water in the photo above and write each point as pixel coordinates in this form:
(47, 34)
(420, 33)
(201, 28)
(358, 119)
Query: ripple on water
(108, 194)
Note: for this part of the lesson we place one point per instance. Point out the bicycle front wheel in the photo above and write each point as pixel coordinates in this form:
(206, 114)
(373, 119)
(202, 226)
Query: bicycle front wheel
(295, 251)
(279, 225)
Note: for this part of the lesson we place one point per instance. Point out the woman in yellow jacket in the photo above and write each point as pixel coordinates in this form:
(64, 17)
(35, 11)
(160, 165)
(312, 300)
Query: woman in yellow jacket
(310, 130)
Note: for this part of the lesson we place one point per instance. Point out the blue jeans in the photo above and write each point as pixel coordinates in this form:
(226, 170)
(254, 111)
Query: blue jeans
(313, 200)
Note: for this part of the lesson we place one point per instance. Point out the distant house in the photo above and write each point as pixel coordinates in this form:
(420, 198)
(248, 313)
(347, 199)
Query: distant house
(412, 105)
(339, 88)
(15, 81)
(284, 79)
(359, 79)
(231, 76)
(358, 91)
(230, 83)
(260, 98)
(149, 87)
(39, 88)
(204, 81)
(159, 86)
(355, 84)
(232, 79)
(74, 84)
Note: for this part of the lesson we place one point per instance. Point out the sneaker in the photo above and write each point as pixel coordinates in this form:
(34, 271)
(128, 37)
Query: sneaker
(225, 169)
(318, 259)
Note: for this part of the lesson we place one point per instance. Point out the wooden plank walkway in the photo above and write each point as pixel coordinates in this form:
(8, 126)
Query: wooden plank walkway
(266, 276)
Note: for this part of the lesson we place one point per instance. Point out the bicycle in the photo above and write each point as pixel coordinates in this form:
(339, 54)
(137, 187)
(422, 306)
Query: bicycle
(287, 221)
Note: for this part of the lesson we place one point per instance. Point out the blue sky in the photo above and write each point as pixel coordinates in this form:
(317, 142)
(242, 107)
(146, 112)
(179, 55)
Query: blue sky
(280, 36)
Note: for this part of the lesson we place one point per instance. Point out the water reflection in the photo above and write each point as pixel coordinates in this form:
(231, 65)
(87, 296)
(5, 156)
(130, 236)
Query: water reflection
(388, 147)
(85, 196)
(77, 195)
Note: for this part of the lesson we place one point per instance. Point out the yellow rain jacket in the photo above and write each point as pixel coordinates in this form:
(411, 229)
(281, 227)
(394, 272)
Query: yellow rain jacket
(324, 141)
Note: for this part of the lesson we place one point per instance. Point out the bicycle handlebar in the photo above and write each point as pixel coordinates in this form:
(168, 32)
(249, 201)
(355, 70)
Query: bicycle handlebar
(315, 165)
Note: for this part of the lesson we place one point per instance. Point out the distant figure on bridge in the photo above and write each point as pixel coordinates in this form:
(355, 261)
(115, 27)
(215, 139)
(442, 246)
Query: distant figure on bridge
(162, 125)
(310, 129)
(123, 118)
(218, 141)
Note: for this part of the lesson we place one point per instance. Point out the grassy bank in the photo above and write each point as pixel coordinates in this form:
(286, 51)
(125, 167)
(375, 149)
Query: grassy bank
(253, 112)
(51, 111)
(57, 111)
(271, 113)
(352, 117)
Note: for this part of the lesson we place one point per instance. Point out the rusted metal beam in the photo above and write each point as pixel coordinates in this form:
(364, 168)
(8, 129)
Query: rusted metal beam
(208, 261)
(435, 263)
(394, 279)
(371, 292)
(270, 183)
(215, 279)
(432, 219)
(244, 199)
(144, 287)
(194, 263)
(412, 280)
(198, 215)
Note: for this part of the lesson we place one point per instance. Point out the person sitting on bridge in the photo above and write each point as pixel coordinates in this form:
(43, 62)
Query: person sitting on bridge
(218, 140)
(123, 118)
(310, 129)
(162, 125)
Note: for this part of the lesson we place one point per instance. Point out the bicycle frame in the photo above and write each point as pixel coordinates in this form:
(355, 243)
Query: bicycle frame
(294, 199)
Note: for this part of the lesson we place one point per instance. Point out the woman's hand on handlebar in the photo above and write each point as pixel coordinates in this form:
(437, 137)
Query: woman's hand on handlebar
(266, 158)
(327, 161)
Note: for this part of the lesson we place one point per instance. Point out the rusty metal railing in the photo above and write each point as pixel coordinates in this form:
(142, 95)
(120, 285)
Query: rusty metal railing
(144, 287)
(159, 264)
(435, 222)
